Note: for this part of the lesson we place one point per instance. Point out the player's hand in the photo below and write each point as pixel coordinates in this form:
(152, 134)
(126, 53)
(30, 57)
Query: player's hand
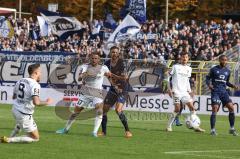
(49, 101)
(108, 74)
(191, 94)
(236, 87)
(210, 87)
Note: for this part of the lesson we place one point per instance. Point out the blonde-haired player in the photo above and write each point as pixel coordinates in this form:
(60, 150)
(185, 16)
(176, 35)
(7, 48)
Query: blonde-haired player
(92, 76)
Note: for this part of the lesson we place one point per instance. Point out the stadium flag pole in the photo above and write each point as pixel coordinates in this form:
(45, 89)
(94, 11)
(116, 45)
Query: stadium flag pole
(91, 11)
(20, 9)
(166, 12)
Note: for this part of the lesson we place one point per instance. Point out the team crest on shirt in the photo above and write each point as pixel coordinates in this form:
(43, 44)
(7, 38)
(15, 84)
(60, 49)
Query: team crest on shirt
(217, 71)
(226, 73)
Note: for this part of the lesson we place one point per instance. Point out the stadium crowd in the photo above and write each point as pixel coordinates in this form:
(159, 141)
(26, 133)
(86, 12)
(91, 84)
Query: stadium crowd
(203, 41)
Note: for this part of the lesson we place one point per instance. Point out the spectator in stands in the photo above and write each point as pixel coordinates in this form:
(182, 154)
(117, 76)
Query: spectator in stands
(202, 41)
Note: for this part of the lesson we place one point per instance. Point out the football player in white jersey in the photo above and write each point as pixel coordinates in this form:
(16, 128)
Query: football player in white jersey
(26, 97)
(181, 90)
(92, 76)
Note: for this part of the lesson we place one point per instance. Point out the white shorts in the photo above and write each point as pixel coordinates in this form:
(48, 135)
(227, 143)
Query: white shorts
(26, 122)
(184, 98)
(88, 101)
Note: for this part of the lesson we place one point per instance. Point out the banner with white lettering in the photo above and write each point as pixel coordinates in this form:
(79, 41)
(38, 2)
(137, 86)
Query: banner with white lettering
(136, 102)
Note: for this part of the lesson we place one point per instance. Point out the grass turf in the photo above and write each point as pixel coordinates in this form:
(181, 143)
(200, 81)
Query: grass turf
(149, 140)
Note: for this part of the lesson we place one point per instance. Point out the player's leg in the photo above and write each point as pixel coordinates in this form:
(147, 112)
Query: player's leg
(98, 118)
(215, 108)
(119, 110)
(177, 120)
(26, 123)
(17, 127)
(176, 101)
(216, 102)
(16, 130)
(226, 101)
(231, 118)
(109, 101)
(72, 118)
(78, 108)
(106, 108)
(189, 102)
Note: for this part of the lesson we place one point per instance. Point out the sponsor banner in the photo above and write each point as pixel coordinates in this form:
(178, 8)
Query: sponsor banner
(151, 37)
(136, 101)
(37, 57)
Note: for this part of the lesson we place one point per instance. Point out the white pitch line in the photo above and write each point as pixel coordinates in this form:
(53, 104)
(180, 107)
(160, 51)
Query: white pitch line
(194, 153)
(208, 151)
(210, 156)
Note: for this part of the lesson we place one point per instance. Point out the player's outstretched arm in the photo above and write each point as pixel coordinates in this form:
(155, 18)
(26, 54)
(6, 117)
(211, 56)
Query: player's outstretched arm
(122, 78)
(38, 102)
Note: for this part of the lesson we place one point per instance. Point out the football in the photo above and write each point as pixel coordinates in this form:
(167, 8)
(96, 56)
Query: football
(192, 121)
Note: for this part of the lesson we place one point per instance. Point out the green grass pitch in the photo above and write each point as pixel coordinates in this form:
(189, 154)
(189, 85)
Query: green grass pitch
(149, 140)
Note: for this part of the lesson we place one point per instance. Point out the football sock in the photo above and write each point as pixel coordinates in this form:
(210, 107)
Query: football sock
(104, 124)
(193, 112)
(97, 123)
(123, 119)
(22, 139)
(231, 118)
(15, 131)
(71, 120)
(171, 119)
(213, 120)
(177, 119)
(181, 109)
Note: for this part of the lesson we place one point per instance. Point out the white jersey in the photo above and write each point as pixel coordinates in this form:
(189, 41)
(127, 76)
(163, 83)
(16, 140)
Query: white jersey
(24, 90)
(180, 78)
(95, 75)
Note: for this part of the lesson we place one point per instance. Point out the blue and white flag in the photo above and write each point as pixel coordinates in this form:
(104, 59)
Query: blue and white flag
(136, 8)
(45, 30)
(61, 25)
(110, 22)
(96, 29)
(6, 29)
(126, 30)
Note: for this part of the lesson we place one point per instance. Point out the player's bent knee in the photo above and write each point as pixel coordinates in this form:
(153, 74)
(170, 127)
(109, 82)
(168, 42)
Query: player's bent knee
(230, 107)
(78, 109)
(106, 108)
(118, 109)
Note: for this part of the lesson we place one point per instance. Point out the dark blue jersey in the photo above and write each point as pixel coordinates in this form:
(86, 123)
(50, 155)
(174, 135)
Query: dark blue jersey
(118, 69)
(219, 77)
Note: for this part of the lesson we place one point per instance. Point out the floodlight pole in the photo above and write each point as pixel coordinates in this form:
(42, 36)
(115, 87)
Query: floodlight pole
(20, 9)
(91, 11)
(166, 18)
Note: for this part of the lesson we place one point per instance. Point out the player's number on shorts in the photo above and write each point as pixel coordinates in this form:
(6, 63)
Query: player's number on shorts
(21, 90)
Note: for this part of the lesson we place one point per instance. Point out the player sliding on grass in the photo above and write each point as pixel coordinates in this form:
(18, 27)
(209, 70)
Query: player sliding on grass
(92, 76)
(181, 90)
(217, 80)
(117, 94)
(26, 97)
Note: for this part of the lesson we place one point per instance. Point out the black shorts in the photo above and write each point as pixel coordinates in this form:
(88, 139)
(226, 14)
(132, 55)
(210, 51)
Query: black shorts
(112, 97)
(220, 97)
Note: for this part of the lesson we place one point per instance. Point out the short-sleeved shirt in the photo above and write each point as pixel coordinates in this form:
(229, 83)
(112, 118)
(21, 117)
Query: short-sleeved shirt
(180, 78)
(24, 90)
(96, 75)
